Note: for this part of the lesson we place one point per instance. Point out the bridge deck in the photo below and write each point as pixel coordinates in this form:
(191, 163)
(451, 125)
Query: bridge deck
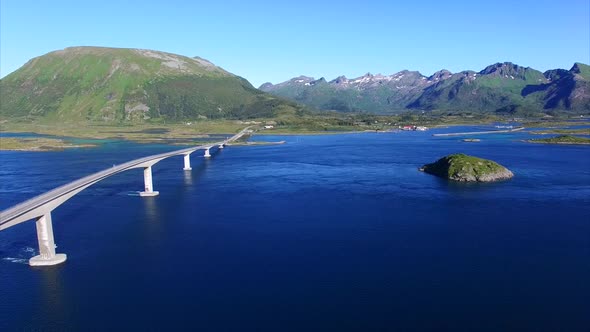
(18, 213)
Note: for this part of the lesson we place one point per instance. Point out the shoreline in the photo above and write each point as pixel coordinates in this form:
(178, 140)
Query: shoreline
(256, 143)
(51, 148)
(39, 144)
(554, 143)
(481, 132)
(318, 133)
(177, 134)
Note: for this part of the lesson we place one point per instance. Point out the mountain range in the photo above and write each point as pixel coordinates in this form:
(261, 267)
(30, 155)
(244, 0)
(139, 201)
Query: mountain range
(114, 85)
(85, 84)
(501, 88)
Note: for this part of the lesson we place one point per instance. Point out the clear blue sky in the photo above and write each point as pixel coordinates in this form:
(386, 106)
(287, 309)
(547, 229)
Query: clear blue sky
(276, 40)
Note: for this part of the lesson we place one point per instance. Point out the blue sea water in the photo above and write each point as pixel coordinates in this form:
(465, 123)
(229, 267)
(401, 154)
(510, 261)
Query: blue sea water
(334, 232)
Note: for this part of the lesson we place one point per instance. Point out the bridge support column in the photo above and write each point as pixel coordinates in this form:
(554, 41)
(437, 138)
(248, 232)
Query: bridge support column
(47, 255)
(207, 154)
(187, 162)
(147, 179)
(221, 146)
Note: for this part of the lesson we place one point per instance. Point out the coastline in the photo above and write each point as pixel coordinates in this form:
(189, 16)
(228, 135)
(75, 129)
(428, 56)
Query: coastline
(165, 134)
(181, 134)
(50, 148)
(555, 143)
(562, 139)
(481, 132)
(257, 143)
(315, 133)
(38, 144)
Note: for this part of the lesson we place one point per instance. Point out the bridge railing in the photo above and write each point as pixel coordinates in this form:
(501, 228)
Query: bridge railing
(15, 211)
(40, 207)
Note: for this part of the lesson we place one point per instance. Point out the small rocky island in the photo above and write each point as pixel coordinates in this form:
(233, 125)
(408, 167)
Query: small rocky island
(464, 168)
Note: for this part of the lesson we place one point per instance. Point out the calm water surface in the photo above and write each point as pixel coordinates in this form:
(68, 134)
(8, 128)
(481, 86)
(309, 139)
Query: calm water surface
(336, 232)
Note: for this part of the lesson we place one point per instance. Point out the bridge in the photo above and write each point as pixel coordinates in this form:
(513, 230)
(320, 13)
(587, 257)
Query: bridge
(40, 207)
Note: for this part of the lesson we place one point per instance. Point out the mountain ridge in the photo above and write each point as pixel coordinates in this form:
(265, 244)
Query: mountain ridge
(503, 87)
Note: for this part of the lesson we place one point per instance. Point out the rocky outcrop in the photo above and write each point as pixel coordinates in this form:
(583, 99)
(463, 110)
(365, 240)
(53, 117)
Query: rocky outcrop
(464, 168)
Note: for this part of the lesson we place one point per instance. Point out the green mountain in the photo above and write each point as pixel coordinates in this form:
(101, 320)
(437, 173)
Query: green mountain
(499, 88)
(129, 85)
(567, 89)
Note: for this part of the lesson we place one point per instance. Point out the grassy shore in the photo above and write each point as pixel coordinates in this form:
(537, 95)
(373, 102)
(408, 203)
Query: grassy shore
(553, 124)
(285, 123)
(38, 144)
(196, 132)
(573, 131)
(562, 139)
(135, 132)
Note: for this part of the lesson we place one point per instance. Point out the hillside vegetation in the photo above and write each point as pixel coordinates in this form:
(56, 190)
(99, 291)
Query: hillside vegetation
(117, 85)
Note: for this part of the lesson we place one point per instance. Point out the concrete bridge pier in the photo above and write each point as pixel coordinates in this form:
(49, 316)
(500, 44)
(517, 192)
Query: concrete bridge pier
(147, 179)
(47, 255)
(207, 154)
(221, 146)
(187, 162)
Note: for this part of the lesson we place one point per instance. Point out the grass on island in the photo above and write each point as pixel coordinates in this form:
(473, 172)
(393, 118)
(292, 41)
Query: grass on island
(37, 144)
(459, 162)
(464, 168)
(573, 131)
(562, 139)
(553, 124)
